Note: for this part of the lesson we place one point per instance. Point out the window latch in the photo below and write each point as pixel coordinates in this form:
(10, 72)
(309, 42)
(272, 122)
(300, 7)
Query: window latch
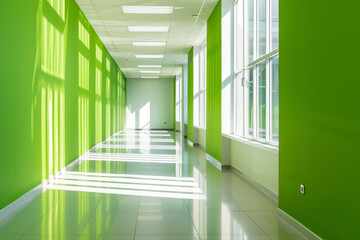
(243, 81)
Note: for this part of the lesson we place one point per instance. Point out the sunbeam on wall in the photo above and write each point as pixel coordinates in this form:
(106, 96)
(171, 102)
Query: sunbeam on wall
(69, 93)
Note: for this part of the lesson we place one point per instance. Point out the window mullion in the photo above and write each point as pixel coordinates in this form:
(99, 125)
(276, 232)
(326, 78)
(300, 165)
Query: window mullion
(255, 73)
(255, 102)
(268, 35)
(255, 27)
(246, 34)
(270, 101)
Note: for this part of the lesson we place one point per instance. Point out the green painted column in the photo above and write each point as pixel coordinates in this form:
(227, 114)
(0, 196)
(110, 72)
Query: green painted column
(319, 115)
(213, 84)
(190, 127)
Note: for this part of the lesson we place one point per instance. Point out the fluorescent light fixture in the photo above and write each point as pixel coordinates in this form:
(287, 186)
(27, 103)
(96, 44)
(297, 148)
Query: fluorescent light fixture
(149, 56)
(147, 29)
(149, 66)
(148, 9)
(141, 71)
(149, 77)
(149, 44)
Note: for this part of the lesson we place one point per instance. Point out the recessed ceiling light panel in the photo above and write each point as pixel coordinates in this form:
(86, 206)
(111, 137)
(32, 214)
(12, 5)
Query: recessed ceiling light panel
(149, 66)
(147, 29)
(149, 44)
(149, 56)
(148, 77)
(149, 71)
(148, 9)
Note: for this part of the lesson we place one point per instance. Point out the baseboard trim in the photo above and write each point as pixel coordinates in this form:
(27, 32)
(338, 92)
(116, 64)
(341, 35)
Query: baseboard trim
(273, 196)
(213, 161)
(8, 212)
(200, 146)
(287, 219)
(190, 143)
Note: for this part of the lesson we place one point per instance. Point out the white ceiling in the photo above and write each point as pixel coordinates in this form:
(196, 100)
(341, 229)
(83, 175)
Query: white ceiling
(110, 23)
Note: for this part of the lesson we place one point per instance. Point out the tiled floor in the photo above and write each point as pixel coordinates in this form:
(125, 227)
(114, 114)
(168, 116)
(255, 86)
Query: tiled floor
(148, 185)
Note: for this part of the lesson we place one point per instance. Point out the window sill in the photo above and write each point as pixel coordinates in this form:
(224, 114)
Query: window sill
(263, 146)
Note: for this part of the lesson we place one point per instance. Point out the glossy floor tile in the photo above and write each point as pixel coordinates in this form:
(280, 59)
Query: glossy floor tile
(147, 185)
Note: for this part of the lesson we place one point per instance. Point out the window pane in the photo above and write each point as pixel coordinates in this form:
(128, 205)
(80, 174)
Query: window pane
(196, 110)
(250, 102)
(202, 69)
(262, 100)
(202, 109)
(261, 27)
(275, 99)
(274, 24)
(178, 99)
(239, 35)
(250, 30)
(239, 104)
(196, 96)
(196, 76)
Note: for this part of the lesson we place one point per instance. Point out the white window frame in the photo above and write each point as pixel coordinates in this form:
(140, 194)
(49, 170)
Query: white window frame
(241, 79)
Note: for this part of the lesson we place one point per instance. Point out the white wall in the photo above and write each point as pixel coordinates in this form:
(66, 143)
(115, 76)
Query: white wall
(150, 103)
(255, 160)
(199, 135)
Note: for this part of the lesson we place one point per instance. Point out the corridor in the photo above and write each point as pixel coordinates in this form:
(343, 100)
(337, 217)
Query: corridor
(147, 185)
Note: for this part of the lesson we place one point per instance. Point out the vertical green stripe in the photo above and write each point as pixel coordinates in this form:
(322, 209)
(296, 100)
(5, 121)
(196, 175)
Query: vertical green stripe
(213, 84)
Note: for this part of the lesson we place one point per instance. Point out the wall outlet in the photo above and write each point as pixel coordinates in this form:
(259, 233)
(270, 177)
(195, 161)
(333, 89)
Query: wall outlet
(302, 189)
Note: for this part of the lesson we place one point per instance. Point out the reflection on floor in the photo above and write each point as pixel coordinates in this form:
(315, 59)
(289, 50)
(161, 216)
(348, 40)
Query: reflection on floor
(147, 185)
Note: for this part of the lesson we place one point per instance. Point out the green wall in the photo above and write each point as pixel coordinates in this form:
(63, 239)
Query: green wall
(61, 92)
(213, 84)
(190, 86)
(319, 117)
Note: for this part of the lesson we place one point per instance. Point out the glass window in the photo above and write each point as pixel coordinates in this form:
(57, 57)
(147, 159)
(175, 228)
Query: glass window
(239, 31)
(239, 104)
(202, 86)
(261, 28)
(250, 102)
(274, 24)
(262, 100)
(196, 92)
(178, 99)
(199, 106)
(250, 29)
(274, 64)
(256, 100)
